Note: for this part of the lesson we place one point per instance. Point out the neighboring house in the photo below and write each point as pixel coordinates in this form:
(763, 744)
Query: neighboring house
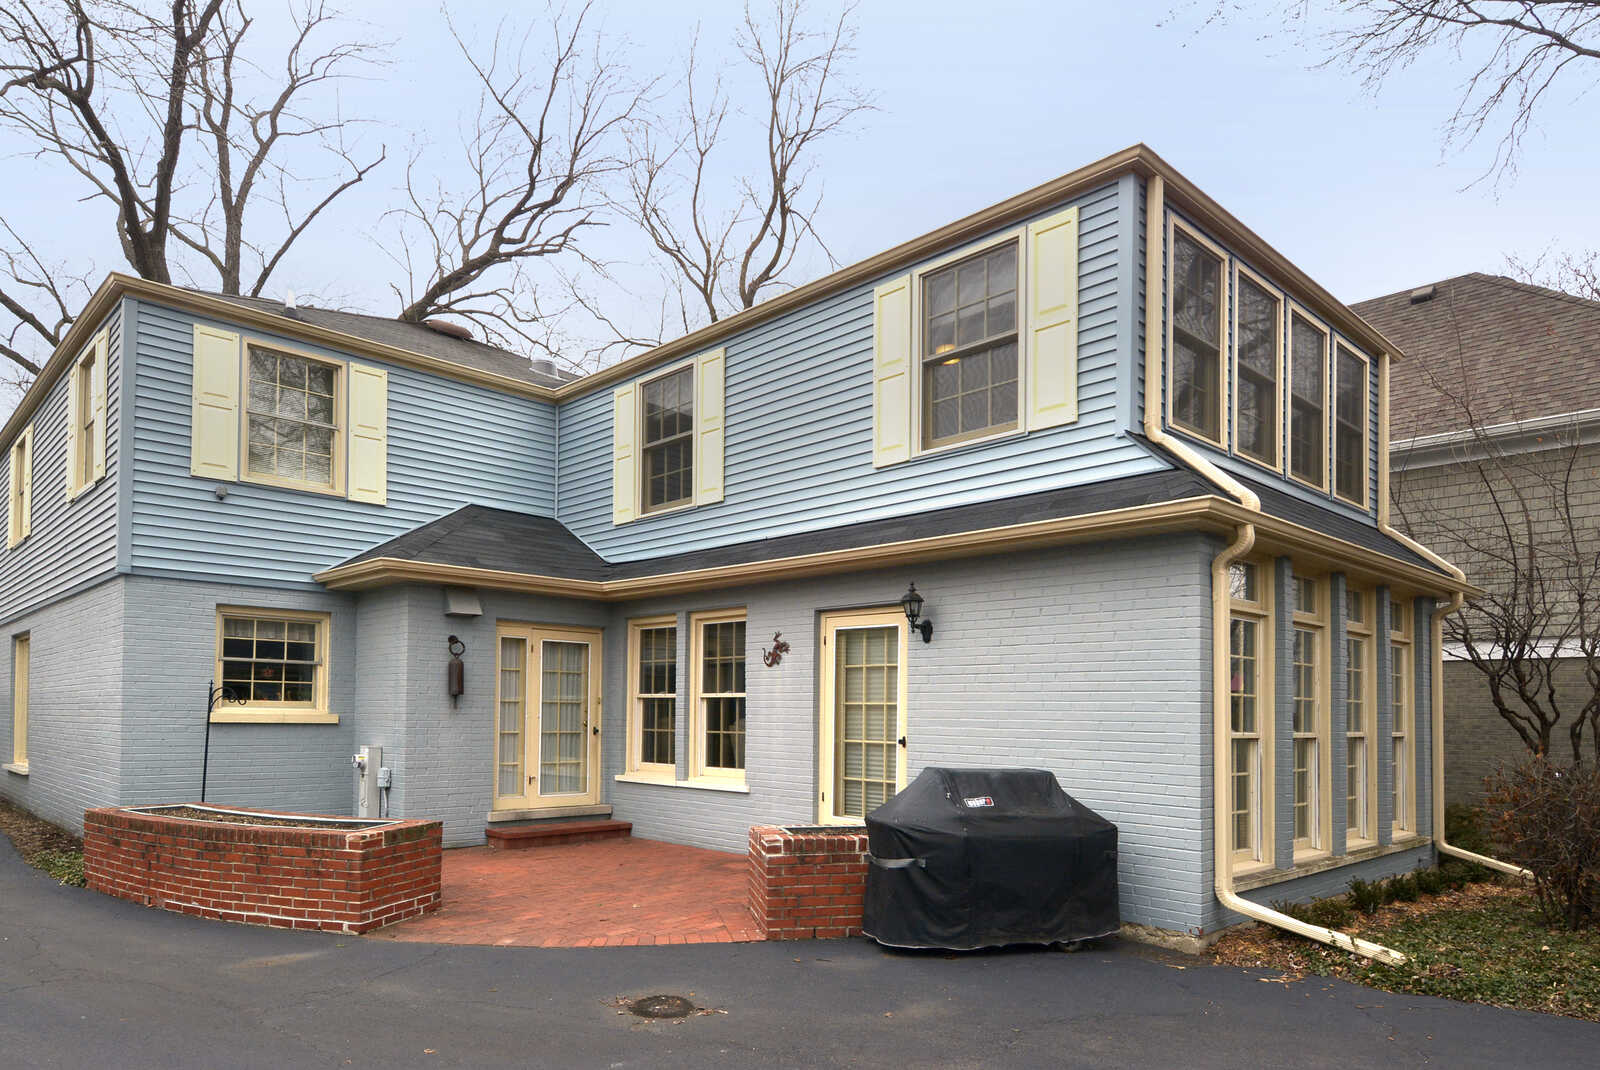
(306, 505)
(1496, 369)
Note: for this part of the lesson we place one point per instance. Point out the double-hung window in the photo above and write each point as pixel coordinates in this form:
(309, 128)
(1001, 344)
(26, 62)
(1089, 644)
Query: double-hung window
(273, 665)
(719, 694)
(1307, 719)
(1308, 400)
(1249, 701)
(20, 523)
(1197, 300)
(1402, 740)
(292, 425)
(653, 710)
(1350, 427)
(1358, 716)
(668, 441)
(969, 348)
(1258, 325)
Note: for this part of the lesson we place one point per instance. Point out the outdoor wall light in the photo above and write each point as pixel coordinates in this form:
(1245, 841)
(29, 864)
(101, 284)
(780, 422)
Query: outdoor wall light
(456, 675)
(911, 602)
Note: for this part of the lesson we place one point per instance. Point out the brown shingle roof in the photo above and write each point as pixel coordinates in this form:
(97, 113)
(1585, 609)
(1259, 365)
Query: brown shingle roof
(1487, 349)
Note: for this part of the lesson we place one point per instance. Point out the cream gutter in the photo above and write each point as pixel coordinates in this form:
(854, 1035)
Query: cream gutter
(1244, 539)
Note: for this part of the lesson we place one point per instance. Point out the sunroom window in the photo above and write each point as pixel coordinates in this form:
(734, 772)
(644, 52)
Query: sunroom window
(669, 440)
(1258, 327)
(969, 347)
(293, 430)
(1307, 400)
(1196, 337)
(1350, 428)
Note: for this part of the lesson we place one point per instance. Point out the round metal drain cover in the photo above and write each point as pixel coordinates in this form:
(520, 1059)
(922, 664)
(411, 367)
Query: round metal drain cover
(661, 1007)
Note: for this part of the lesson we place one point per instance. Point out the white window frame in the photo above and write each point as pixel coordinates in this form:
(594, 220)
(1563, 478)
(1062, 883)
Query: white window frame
(1257, 855)
(341, 422)
(636, 765)
(252, 711)
(919, 448)
(698, 769)
(1326, 468)
(1313, 623)
(1341, 345)
(1279, 402)
(1403, 712)
(1360, 746)
(641, 478)
(1224, 327)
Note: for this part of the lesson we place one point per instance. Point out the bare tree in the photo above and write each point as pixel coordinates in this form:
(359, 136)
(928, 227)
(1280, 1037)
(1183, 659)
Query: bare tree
(1574, 273)
(546, 138)
(725, 257)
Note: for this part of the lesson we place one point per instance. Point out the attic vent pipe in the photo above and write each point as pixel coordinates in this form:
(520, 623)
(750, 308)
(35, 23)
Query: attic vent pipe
(452, 330)
(1422, 293)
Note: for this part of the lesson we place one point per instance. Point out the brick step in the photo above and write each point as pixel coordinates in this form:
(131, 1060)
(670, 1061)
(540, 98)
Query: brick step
(549, 833)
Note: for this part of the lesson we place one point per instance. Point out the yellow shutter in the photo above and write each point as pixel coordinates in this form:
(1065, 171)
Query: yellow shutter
(102, 350)
(369, 434)
(891, 372)
(214, 423)
(624, 464)
(708, 419)
(27, 484)
(74, 431)
(1052, 324)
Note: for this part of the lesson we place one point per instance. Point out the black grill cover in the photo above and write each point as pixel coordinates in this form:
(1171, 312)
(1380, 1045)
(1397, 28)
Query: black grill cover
(970, 858)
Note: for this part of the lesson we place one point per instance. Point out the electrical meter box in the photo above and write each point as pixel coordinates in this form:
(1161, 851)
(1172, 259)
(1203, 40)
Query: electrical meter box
(368, 761)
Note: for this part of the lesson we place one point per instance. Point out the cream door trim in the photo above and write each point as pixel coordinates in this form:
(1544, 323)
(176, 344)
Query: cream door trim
(827, 720)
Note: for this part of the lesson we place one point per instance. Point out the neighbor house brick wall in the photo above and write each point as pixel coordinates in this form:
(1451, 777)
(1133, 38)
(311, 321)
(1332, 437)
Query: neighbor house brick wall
(290, 878)
(806, 885)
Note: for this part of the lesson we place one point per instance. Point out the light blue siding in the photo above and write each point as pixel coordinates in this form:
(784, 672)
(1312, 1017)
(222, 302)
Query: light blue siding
(74, 542)
(450, 444)
(799, 424)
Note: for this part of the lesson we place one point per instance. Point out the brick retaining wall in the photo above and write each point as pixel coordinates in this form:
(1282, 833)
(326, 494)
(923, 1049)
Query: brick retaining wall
(292, 878)
(807, 884)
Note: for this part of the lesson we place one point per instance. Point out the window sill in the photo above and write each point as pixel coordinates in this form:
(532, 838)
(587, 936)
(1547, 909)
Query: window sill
(702, 783)
(1260, 875)
(16, 768)
(248, 716)
(289, 484)
(968, 443)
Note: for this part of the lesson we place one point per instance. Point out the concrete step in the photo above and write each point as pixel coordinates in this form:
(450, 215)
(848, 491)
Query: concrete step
(548, 833)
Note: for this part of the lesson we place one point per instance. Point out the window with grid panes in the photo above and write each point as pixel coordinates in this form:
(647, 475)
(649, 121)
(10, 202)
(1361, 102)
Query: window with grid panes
(1358, 764)
(969, 347)
(1308, 360)
(669, 440)
(722, 697)
(291, 421)
(1400, 697)
(271, 660)
(1196, 310)
(658, 695)
(1350, 427)
(1245, 704)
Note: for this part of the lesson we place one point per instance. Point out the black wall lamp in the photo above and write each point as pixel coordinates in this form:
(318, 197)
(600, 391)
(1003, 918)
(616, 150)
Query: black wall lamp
(456, 676)
(911, 602)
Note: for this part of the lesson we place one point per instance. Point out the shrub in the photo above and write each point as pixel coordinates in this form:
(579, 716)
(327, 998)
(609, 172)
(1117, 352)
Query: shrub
(1328, 913)
(1367, 896)
(1548, 816)
(1464, 828)
(1458, 874)
(64, 866)
(1402, 888)
(1430, 881)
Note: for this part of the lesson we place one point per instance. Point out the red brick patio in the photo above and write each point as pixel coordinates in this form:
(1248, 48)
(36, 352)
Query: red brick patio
(606, 893)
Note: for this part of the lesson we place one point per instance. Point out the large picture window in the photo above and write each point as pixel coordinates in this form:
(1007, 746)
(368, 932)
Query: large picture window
(273, 664)
(719, 695)
(292, 427)
(653, 709)
(669, 440)
(1308, 399)
(1196, 301)
(969, 347)
(1350, 427)
(1259, 326)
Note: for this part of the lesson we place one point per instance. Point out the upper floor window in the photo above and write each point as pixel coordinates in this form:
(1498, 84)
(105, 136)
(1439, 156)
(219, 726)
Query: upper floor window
(1308, 399)
(1196, 303)
(1350, 427)
(669, 440)
(1258, 322)
(292, 426)
(86, 417)
(21, 512)
(969, 347)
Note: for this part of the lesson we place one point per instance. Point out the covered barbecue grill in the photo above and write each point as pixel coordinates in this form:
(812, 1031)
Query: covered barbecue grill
(970, 858)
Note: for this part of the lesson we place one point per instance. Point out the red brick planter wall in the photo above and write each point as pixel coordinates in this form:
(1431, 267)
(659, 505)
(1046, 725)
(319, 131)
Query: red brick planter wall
(807, 884)
(293, 878)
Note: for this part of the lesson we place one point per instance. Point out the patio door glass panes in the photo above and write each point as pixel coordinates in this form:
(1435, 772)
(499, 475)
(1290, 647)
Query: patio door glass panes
(510, 729)
(563, 719)
(867, 675)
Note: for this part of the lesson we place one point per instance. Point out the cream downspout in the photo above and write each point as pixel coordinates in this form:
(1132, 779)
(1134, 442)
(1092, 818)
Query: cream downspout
(1222, 862)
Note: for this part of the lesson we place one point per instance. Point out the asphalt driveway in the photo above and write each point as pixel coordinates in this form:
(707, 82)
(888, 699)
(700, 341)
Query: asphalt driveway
(90, 981)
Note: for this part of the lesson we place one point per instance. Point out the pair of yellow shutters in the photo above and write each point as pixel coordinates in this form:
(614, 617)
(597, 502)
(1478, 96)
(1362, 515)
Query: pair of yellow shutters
(216, 419)
(1050, 381)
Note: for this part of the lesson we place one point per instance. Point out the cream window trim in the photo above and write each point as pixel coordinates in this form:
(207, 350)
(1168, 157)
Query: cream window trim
(1261, 770)
(341, 431)
(707, 432)
(86, 412)
(827, 725)
(1340, 347)
(637, 768)
(1315, 624)
(699, 771)
(21, 678)
(19, 768)
(1364, 832)
(702, 784)
(1403, 730)
(20, 509)
(316, 711)
(1175, 226)
(1280, 422)
(1295, 309)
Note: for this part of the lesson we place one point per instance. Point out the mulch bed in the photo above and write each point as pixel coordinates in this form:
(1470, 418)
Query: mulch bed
(191, 813)
(33, 836)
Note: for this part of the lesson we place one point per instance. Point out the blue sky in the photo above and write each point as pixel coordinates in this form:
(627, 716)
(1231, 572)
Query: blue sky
(977, 102)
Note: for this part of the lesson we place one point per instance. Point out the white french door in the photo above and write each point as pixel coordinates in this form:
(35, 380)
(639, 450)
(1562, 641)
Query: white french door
(547, 717)
(862, 745)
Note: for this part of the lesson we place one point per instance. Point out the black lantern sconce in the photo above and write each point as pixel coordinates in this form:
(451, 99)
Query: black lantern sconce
(456, 675)
(911, 602)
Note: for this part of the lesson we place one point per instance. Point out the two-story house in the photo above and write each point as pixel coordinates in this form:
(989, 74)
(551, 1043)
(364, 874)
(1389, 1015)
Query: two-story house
(1132, 459)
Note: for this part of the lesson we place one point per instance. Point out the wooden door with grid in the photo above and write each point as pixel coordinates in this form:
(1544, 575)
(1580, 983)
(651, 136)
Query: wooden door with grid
(547, 717)
(862, 745)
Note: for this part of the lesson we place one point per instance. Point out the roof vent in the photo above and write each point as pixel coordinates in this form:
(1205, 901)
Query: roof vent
(452, 330)
(290, 309)
(1422, 293)
(544, 367)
